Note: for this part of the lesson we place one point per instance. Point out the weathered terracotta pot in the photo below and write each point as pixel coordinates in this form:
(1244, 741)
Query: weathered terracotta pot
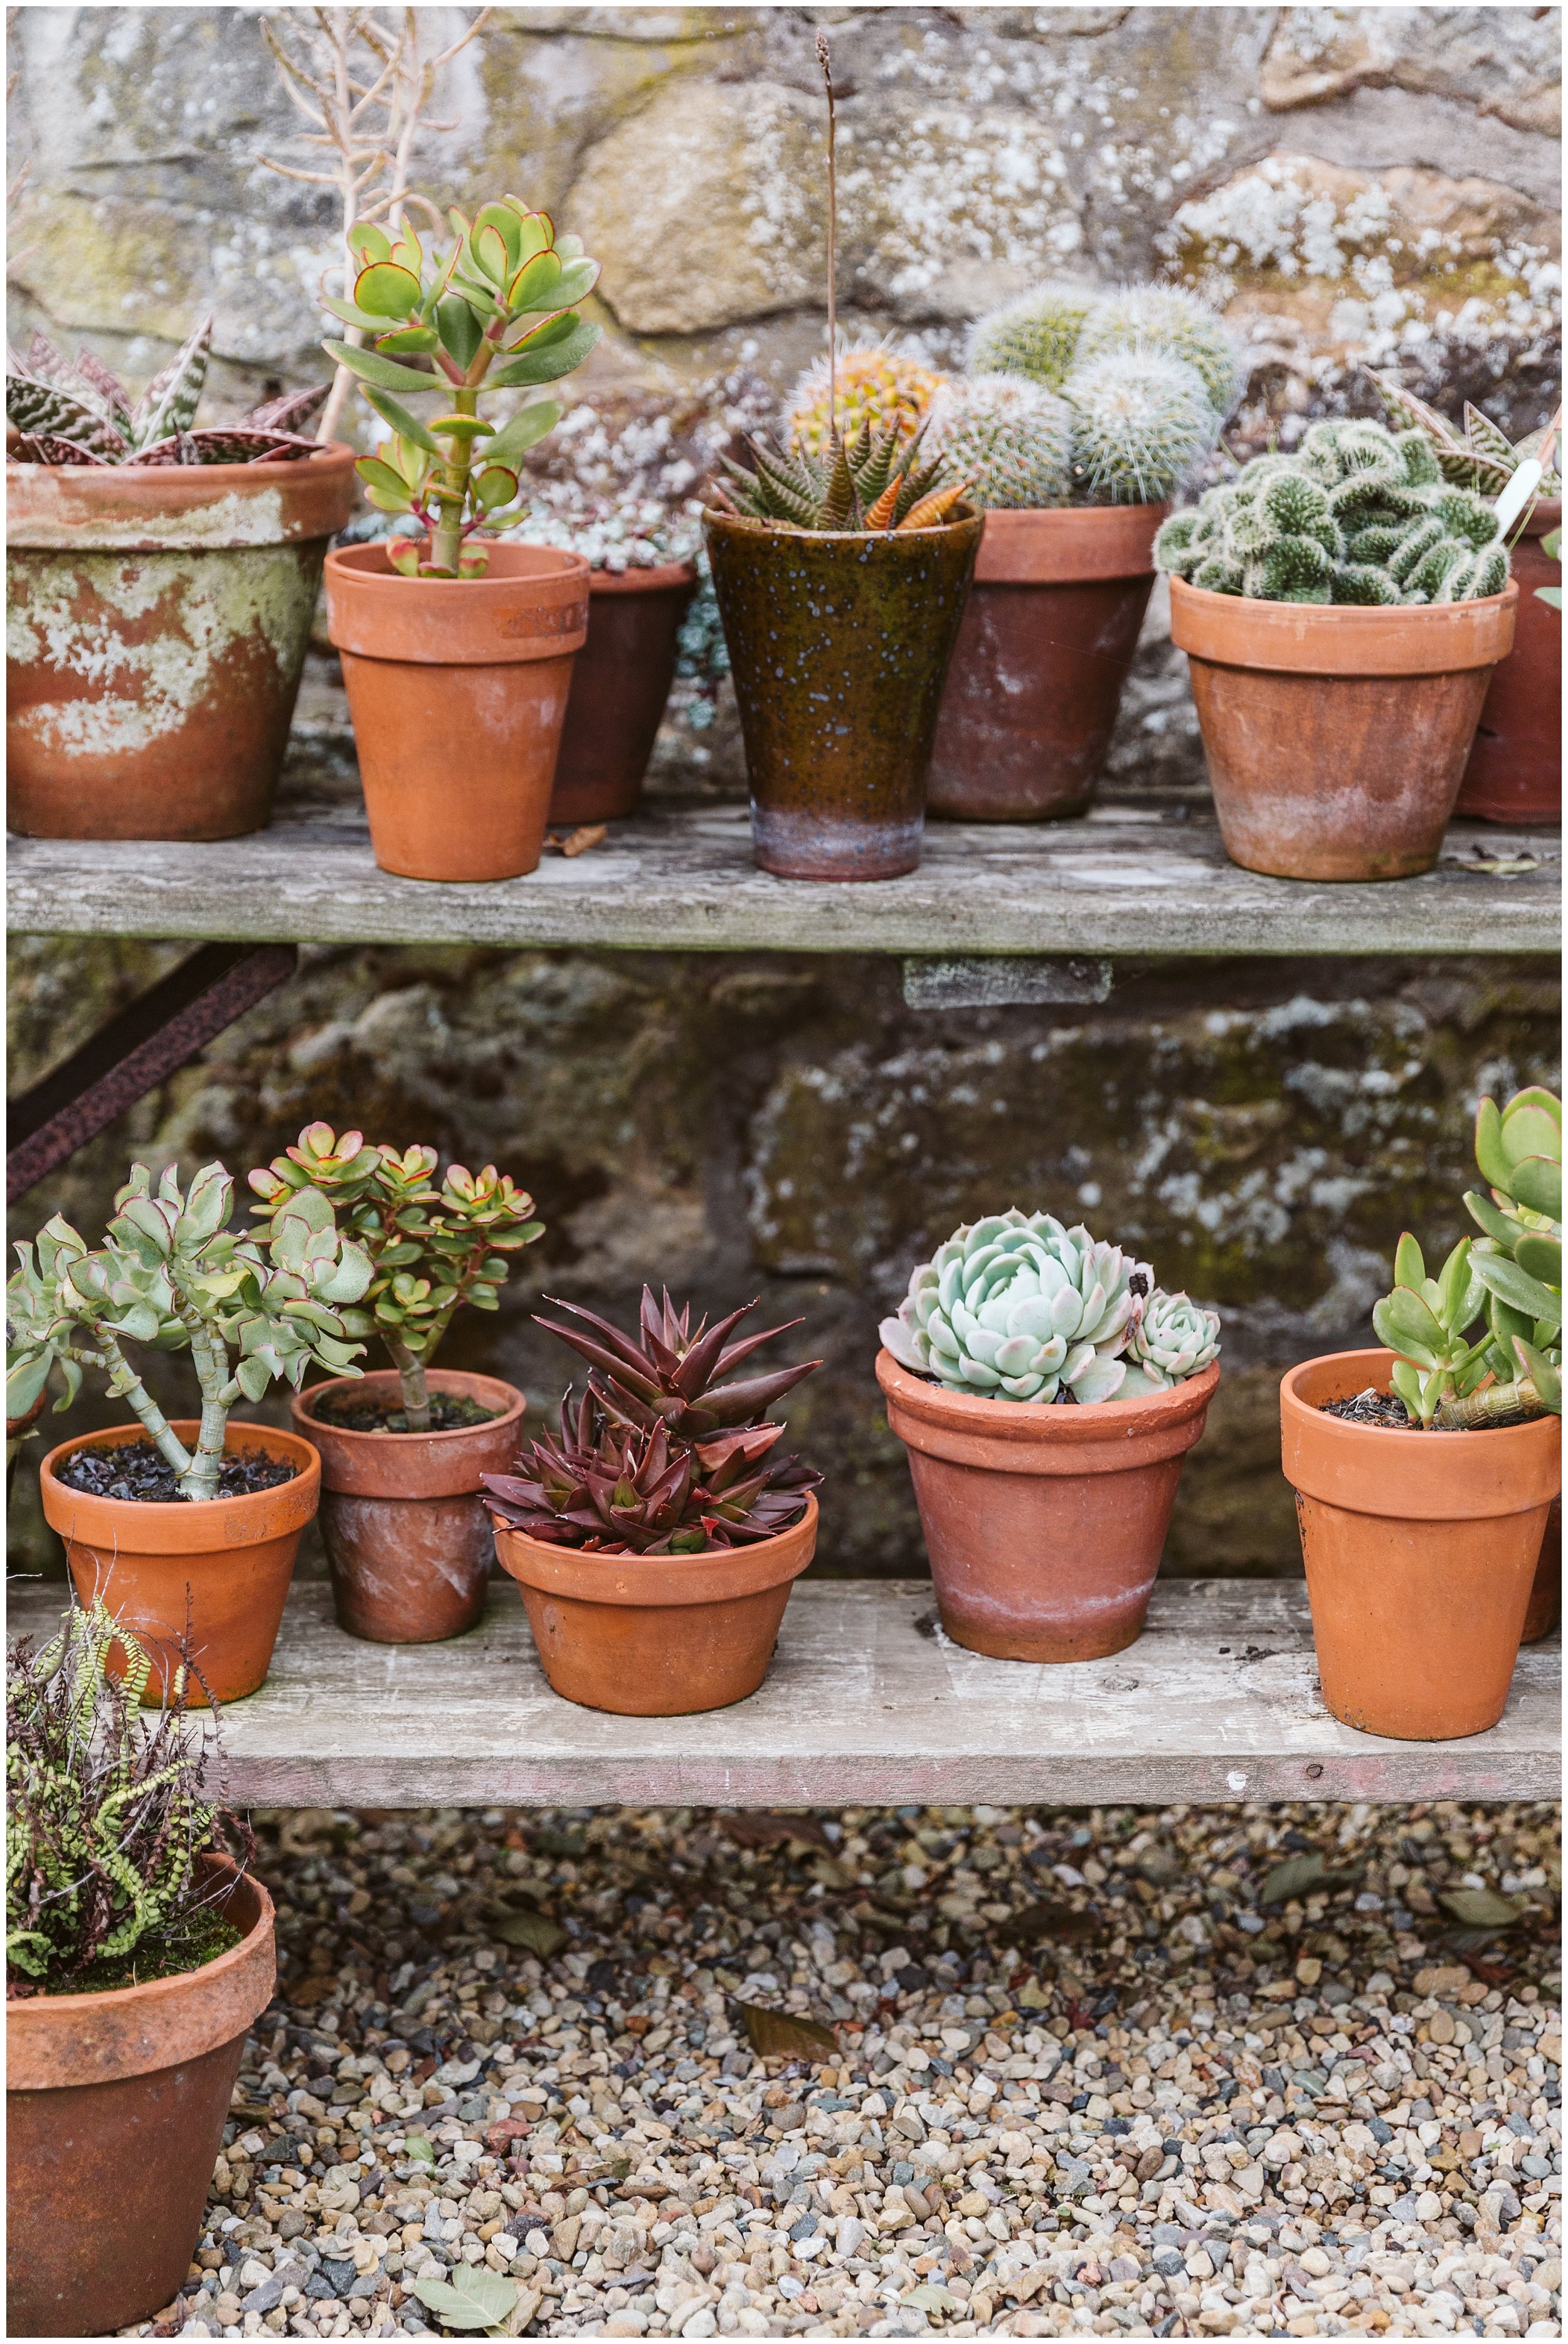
(407, 1537)
(620, 684)
(1048, 636)
(1336, 736)
(457, 690)
(839, 644)
(1420, 1551)
(229, 1559)
(158, 621)
(1516, 769)
(657, 1635)
(1545, 1605)
(1045, 1526)
(114, 2109)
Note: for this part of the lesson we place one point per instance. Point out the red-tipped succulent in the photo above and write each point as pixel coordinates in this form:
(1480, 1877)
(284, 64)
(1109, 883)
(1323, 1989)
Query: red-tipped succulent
(673, 1376)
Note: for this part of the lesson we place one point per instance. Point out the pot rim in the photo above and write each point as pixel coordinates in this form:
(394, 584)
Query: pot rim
(179, 509)
(162, 1516)
(1336, 1427)
(266, 473)
(785, 533)
(755, 1567)
(1067, 545)
(1029, 1421)
(1328, 639)
(437, 1378)
(1429, 1477)
(369, 567)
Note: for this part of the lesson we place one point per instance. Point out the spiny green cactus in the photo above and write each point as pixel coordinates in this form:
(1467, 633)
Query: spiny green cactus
(1014, 438)
(65, 411)
(1141, 421)
(872, 383)
(1035, 335)
(1176, 323)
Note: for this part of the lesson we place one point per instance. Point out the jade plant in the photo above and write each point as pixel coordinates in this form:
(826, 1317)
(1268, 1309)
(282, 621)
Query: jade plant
(1482, 1342)
(431, 1248)
(172, 1276)
(497, 309)
(1017, 1308)
(64, 411)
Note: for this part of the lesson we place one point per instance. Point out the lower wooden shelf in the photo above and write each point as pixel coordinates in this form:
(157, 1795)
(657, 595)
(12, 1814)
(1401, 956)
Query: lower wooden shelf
(866, 1704)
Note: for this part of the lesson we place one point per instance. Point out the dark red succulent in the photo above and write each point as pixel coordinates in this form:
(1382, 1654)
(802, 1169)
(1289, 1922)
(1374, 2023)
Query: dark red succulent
(673, 1376)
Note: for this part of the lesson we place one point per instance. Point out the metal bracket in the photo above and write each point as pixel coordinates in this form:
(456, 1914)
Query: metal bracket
(135, 1052)
(1003, 981)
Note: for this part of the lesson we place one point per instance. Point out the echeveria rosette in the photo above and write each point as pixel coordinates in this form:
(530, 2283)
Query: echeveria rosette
(1172, 1338)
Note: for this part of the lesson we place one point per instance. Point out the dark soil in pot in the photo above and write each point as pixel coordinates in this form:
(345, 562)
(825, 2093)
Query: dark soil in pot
(139, 1471)
(450, 1412)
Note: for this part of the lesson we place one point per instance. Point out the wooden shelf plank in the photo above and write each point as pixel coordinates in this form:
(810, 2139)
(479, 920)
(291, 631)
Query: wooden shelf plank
(864, 1703)
(1126, 881)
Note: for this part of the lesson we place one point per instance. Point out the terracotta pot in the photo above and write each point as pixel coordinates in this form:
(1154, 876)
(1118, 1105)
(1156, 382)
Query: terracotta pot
(1045, 1526)
(657, 1635)
(1335, 737)
(114, 2107)
(231, 1560)
(1420, 1551)
(619, 687)
(839, 646)
(159, 618)
(1545, 1606)
(1516, 769)
(1047, 638)
(407, 1537)
(457, 690)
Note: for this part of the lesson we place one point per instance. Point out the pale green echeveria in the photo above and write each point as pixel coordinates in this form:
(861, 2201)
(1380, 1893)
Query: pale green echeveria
(1019, 1307)
(1173, 1338)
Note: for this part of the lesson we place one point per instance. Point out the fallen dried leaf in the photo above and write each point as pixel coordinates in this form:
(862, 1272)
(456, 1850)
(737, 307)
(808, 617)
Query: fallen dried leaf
(1062, 1924)
(777, 2035)
(534, 1931)
(752, 1828)
(1300, 1875)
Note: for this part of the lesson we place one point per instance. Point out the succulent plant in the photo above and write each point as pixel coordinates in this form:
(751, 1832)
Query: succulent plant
(171, 1275)
(1141, 421)
(872, 385)
(1036, 335)
(1172, 1338)
(1480, 457)
(878, 483)
(430, 1249)
(1168, 321)
(1013, 439)
(672, 1374)
(497, 310)
(1424, 1320)
(65, 411)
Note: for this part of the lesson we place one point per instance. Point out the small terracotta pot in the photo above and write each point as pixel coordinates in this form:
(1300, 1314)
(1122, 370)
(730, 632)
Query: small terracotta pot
(1335, 736)
(657, 1635)
(1045, 1526)
(230, 1559)
(619, 687)
(115, 2107)
(407, 1537)
(1048, 636)
(1420, 1551)
(839, 644)
(1516, 769)
(159, 617)
(1545, 1606)
(457, 690)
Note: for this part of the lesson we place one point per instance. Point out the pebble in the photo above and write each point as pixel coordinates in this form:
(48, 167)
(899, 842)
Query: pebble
(1086, 2079)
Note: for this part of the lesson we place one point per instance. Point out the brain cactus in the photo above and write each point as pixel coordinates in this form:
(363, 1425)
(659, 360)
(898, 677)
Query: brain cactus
(61, 411)
(1035, 335)
(1172, 1340)
(876, 385)
(1013, 438)
(1173, 323)
(1141, 421)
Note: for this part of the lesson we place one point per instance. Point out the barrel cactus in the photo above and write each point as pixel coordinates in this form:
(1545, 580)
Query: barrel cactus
(1176, 323)
(1012, 437)
(876, 385)
(1035, 335)
(1141, 421)
(1173, 1338)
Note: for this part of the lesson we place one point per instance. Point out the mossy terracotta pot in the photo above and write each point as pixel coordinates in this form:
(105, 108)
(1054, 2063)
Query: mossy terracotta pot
(156, 623)
(1044, 1525)
(1046, 640)
(408, 1538)
(115, 2106)
(839, 644)
(223, 1565)
(619, 682)
(1336, 736)
(1516, 769)
(659, 1635)
(1420, 1551)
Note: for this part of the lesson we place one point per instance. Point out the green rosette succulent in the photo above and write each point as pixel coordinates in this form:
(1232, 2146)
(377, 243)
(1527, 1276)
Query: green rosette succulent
(1173, 1338)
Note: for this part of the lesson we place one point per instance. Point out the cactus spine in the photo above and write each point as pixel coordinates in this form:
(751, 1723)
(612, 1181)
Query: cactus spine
(1035, 335)
(1013, 439)
(1141, 421)
(877, 384)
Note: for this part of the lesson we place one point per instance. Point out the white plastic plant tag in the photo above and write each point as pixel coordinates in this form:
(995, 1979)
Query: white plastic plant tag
(1520, 488)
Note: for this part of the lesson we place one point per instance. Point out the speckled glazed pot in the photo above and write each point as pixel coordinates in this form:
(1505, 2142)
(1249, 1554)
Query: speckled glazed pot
(620, 681)
(1516, 769)
(839, 644)
(158, 616)
(114, 2109)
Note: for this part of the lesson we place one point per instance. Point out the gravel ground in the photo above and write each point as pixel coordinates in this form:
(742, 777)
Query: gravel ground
(1095, 2072)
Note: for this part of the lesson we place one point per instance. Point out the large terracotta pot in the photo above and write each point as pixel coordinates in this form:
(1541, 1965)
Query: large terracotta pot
(114, 2109)
(1420, 1551)
(839, 644)
(408, 1538)
(1044, 1525)
(1048, 636)
(458, 689)
(620, 684)
(1335, 736)
(1516, 769)
(157, 619)
(657, 1635)
(226, 1564)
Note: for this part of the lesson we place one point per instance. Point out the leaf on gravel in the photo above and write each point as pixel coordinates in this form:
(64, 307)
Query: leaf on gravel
(1299, 1877)
(1479, 1908)
(536, 1932)
(929, 2296)
(418, 2151)
(753, 1829)
(616, 2169)
(777, 2035)
(476, 2298)
(1063, 1924)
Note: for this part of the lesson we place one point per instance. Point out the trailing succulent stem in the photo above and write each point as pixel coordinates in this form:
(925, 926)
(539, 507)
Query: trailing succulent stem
(60, 412)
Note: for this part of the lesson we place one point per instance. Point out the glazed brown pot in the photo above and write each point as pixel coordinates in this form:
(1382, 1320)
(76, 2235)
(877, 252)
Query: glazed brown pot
(839, 644)
(230, 1559)
(458, 689)
(1516, 769)
(1335, 736)
(1044, 1525)
(159, 617)
(657, 1635)
(1420, 1551)
(620, 684)
(1048, 636)
(407, 1537)
(1545, 1605)
(114, 2107)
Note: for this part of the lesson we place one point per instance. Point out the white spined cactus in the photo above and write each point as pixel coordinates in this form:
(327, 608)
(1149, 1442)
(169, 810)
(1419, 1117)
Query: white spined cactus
(1012, 438)
(1174, 1338)
(1141, 421)
(1176, 324)
(1018, 1308)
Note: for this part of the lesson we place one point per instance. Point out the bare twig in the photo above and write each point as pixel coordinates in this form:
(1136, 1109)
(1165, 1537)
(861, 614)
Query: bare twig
(825, 59)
